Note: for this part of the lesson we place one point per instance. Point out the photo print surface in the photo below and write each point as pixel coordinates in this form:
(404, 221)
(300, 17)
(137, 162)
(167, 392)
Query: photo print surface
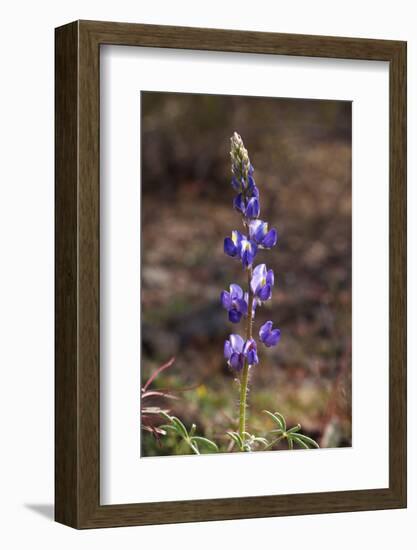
(245, 274)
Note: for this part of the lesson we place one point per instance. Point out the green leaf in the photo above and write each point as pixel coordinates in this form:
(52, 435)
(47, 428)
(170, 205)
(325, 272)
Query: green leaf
(205, 441)
(277, 419)
(308, 440)
(283, 423)
(180, 427)
(194, 447)
(166, 416)
(168, 427)
(290, 443)
(295, 429)
(237, 439)
(300, 443)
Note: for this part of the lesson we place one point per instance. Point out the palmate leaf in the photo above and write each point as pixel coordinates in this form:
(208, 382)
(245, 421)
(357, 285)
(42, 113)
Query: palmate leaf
(294, 430)
(291, 435)
(249, 442)
(177, 426)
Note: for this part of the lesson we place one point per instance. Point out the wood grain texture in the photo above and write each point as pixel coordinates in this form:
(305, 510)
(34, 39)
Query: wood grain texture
(66, 304)
(78, 285)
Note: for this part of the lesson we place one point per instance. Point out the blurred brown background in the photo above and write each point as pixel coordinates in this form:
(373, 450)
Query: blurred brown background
(301, 152)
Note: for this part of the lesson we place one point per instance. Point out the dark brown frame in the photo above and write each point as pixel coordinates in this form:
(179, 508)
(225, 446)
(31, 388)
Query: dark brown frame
(77, 274)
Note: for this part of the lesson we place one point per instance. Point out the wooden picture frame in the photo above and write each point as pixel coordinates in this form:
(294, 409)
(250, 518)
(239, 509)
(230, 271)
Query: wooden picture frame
(77, 382)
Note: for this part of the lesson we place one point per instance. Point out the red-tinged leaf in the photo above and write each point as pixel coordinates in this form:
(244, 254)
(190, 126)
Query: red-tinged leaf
(155, 431)
(149, 428)
(158, 394)
(156, 372)
(153, 410)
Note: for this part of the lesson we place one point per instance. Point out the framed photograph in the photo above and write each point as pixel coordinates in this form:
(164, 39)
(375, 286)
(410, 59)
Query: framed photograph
(230, 274)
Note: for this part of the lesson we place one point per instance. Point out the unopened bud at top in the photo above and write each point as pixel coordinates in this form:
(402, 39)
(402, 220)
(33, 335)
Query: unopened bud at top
(241, 167)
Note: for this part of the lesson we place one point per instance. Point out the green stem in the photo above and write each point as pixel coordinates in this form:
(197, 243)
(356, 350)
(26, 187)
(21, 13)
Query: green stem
(242, 407)
(245, 372)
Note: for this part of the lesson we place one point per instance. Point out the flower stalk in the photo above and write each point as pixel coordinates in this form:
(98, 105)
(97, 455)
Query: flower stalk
(245, 373)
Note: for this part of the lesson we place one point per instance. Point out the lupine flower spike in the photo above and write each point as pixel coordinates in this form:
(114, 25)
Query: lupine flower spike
(241, 353)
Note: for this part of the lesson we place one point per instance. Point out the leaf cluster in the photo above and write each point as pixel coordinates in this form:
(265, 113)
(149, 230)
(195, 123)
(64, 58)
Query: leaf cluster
(291, 435)
(195, 442)
(248, 442)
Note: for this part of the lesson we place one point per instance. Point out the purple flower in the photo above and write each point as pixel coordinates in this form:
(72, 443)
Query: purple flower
(252, 189)
(238, 184)
(268, 336)
(259, 234)
(239, 203)
(253, 209)
(248, 207)
(250, 351)
(247, 251)
(247, 200)
(234, 302)
(248, 187)
(239, 246)
(231, 245)
(237, 350)
(262, 282)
